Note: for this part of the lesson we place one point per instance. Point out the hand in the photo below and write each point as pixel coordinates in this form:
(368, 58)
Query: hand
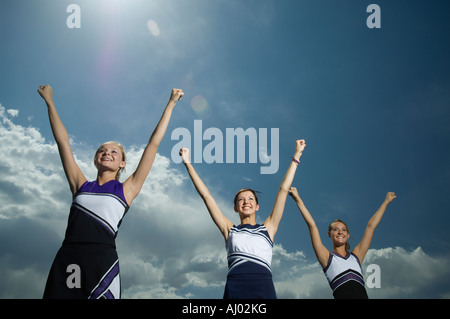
(390, 196)
(300, 146)
(176, 95)
(184, 153)
(294, 193)
(46, 92)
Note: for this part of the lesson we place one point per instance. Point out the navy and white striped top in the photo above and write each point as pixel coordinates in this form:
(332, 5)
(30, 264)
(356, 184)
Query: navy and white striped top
(249, 249)
(341, 270)
(96, 213)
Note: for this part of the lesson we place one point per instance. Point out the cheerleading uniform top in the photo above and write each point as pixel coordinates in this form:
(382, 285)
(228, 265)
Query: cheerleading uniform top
(249, 249)
(96, 213)
(345, 277)
(95, 216)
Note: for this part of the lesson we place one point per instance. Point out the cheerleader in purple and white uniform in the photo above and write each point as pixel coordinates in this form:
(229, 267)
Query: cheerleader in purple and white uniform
(97, 211)
(342, 267)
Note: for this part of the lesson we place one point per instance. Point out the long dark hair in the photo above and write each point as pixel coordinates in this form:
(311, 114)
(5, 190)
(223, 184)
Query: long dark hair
(330, 227)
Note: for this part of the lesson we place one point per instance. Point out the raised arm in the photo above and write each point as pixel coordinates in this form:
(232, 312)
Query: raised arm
(322, 253)
(73, 173)
(133, 184)
(274, 219)
(223, 223)
(362, 248)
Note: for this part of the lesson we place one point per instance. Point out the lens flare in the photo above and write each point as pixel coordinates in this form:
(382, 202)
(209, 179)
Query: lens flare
(153, 28)
(199, 104)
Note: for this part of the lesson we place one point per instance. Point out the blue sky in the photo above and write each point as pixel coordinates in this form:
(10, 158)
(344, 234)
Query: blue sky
(372, 104)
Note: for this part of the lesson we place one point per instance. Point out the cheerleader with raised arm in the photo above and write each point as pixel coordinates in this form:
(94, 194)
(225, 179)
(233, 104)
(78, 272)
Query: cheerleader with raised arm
(342, 267)
(97, 210)
(249, 245)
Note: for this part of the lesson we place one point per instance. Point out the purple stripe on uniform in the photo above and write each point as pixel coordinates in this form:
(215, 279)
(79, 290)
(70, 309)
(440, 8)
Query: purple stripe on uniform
(105, 283)
(343, 278)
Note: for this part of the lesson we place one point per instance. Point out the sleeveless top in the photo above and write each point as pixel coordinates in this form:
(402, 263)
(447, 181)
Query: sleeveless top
(95, 216)
(96, 213)
(343, 270)
(249, 249)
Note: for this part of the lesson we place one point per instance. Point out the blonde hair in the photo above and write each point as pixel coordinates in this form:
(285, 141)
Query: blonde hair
(124, 156)
(330, 227)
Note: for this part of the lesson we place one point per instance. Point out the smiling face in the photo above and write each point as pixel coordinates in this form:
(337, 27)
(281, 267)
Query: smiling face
(110, 156)
(339, 234)
(246, 202)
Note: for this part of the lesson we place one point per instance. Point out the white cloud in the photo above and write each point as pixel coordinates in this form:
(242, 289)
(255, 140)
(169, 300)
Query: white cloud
(12, 112)
(30, 173)
(409, 274)
(297, 277)
(164, 242)
(168, 246)
(403, 274)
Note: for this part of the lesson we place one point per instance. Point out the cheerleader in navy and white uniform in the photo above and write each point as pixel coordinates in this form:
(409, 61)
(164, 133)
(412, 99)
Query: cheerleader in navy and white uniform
(249, 245)
(97, 211)
(342, 267)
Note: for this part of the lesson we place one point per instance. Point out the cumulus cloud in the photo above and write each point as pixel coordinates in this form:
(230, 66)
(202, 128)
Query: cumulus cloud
(409, 274)
(402, 274)
(170, 232)
(13, 112)
(168, 246)
(164, 243)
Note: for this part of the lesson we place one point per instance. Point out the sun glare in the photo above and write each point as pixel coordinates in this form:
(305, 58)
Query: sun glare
(199, 104)
(153, 28)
